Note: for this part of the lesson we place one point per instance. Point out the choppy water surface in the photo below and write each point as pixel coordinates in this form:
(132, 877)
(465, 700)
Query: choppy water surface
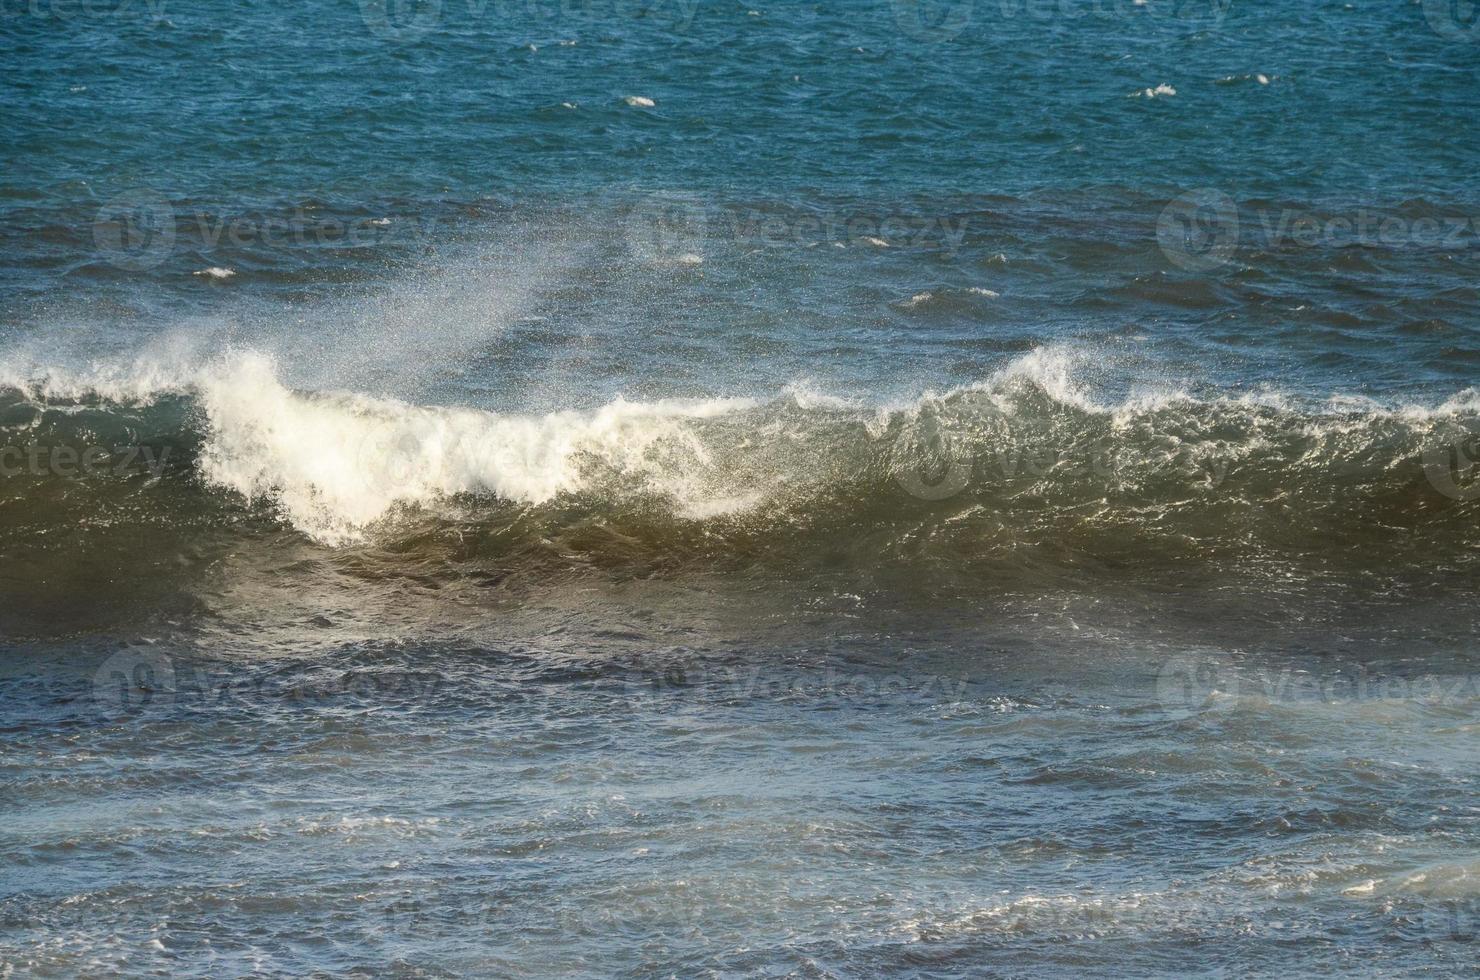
(693, 489)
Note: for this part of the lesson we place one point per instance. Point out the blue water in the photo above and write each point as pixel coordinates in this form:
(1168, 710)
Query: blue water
(652, 487)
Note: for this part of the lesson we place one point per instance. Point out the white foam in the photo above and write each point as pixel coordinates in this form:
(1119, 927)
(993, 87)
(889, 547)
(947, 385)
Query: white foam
(165, 366)
(704, 509)
(216, 272)
(928, 296)
(335, 463)
(1259, 77)
(1466, 402)
(1053, 369)
(808, 398)
(639, 101)
(1456, 880)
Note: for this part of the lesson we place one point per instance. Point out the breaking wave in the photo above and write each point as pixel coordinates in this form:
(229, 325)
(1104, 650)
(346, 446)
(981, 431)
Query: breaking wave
(1029, 445)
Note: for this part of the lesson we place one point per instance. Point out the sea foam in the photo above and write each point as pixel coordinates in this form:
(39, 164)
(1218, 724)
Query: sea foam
(334, 463)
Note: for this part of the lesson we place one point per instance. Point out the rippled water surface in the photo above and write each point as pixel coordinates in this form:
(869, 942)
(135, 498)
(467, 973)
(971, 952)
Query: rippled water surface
(680, 488)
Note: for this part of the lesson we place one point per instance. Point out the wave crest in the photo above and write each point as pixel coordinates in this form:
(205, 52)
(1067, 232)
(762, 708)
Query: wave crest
(1031, 443)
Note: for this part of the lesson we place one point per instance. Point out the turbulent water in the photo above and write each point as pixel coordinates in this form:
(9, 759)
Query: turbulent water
(668, 488)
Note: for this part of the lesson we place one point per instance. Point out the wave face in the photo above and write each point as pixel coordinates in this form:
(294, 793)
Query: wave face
(1026, 456)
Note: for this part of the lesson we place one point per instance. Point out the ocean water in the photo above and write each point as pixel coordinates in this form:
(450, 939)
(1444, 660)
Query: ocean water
(680, 488)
